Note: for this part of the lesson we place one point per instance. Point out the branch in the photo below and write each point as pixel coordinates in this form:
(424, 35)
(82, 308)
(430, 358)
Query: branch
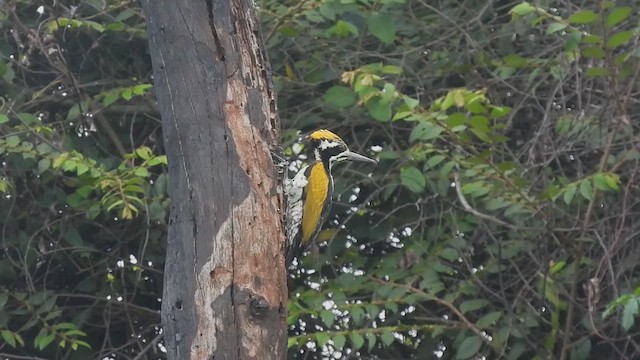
(468, 208)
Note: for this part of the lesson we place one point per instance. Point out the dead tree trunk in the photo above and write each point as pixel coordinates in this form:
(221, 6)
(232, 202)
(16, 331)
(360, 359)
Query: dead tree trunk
(225, 290)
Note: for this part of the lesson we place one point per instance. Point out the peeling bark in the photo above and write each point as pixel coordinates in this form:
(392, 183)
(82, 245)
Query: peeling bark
(225, 289)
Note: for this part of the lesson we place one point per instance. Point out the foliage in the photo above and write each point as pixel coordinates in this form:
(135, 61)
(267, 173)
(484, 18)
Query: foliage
(498, 224)
(84, 190)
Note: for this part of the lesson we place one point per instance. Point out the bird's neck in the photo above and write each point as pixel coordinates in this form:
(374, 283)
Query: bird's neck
(323, 157)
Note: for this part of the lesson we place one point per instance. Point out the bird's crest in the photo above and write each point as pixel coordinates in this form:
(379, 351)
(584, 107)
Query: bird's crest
(324, 134)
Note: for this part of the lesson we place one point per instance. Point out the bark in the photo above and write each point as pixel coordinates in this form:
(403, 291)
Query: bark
(225, 291)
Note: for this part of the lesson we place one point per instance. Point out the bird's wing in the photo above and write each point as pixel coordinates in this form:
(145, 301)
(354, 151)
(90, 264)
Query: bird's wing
(295, 191)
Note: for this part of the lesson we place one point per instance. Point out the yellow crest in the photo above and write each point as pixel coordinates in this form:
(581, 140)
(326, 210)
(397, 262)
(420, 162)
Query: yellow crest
(323, 134)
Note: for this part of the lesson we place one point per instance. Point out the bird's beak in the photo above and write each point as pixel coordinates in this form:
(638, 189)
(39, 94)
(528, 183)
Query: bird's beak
(357, 157)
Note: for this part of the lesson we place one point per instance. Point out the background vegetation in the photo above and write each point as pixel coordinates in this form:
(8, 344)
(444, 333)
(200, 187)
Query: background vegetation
(501, 221)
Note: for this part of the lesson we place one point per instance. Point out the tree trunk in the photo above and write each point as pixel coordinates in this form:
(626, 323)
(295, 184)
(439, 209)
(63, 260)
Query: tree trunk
(225, 291)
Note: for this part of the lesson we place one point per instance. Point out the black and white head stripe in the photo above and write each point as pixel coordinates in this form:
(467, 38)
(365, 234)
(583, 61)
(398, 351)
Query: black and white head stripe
(330, 148)
(330, 144)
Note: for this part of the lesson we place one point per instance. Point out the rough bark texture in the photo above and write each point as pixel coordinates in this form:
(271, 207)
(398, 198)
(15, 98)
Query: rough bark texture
(225, 284)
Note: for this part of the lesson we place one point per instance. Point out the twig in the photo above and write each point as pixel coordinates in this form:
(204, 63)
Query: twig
(468, 208)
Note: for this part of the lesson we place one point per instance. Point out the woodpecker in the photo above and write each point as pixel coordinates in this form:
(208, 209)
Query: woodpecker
(309, 192)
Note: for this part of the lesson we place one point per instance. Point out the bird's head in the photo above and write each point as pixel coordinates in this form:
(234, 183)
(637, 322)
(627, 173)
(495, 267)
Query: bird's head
(331, 149)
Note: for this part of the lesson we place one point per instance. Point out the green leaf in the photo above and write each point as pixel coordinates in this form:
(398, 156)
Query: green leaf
(357, 340)
(612, 181)
(47, 306)
(38, 298)
(517, 349)
(125, 14)
(515, 61)
(387, 338)
(111, 96)
(43, 165)
(372, 310)
(413, 179)
(597, 71)
(496, 203)
(594, 52)
(69, 165)
(342, 29)
(476, 188)
(449, 254)
(392, 70)
(81, 169)
(382, 27)
(140, 89)
(162, 159)
(84, 191)
(12, 141)
(586, 190)
(555, 27)
(340, 96)
(73, 238)
(582, 350)
(446, 169)
(8, 337)
(339, 341)
(592, 39)
(75, 332)
(475, 107)
(46, 340)
(44, 148)
(473, 305)
(142, 172)
(396, 293)
(127, 94)
(425, 130)
(19, 339)
(499, 111)
(3, 118)
(81, 343)
(468, 348)
(617, 15)
(144, 152)
(388, 92)
(583, 17)
(448, 101)
(74, 112)
(379, 109)
(489, 319)
(435, 160)
(322, 338)
(569, 193)
(619, 38)
(600, 182)
(558, 266)
(629, 312)
(482, 135)
(357, 315)
(28, 119)
(371, 341)
(523, 8)
(327, 317)
(3, 186)
(572, 41)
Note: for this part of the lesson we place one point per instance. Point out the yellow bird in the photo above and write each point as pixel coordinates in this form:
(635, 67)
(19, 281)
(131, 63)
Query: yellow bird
(309, 192)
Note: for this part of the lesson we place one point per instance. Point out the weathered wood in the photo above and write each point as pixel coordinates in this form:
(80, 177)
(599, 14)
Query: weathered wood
(225, 289)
